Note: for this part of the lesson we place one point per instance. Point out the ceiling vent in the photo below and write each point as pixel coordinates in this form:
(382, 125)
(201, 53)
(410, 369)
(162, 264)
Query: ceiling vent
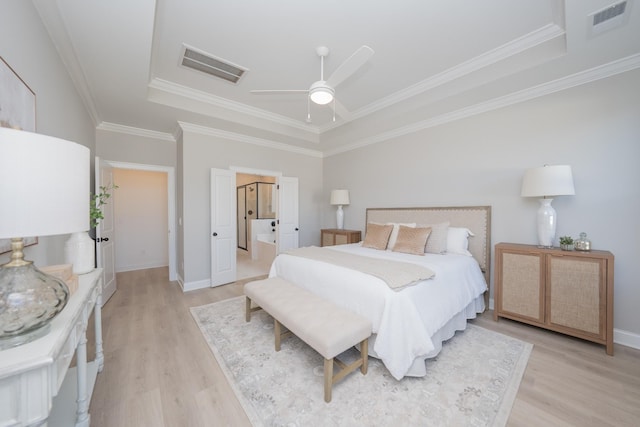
(206, 63)
(611, 17)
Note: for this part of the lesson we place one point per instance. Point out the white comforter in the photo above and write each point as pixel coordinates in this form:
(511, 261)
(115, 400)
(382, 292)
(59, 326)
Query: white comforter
(405, 321)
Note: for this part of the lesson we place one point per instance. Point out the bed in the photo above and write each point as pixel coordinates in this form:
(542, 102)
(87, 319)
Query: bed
(411, 323)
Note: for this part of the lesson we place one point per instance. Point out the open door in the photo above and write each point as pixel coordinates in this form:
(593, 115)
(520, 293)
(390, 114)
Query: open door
(288, 225)
(223, 227)
(105, 233)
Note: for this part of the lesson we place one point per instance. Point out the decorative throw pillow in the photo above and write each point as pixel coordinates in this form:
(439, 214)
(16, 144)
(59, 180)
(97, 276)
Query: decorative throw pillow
(437, 241)
(394, 233)
(412, 240)
(377, 236)
(458, 240)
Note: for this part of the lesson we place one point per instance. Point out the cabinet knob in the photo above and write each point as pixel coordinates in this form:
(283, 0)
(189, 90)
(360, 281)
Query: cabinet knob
(215, 234)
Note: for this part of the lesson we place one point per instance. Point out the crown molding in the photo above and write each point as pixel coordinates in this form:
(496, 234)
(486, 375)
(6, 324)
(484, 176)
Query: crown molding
(507, 50)
(233, 136)
(130, 130)
(610, 69)
(227, 104)
(56, 27)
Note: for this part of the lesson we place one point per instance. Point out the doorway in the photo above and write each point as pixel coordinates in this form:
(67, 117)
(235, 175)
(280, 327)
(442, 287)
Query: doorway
(255, 213)
(167, 205)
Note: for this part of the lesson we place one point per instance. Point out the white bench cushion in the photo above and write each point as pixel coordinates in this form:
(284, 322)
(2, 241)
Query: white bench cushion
(326, 327)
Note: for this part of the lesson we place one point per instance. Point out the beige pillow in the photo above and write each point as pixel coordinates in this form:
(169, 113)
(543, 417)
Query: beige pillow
(377, 236)
(394, 233)
(412, 240)
(437, 241)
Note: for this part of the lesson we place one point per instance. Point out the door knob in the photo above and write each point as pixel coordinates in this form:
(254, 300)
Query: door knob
(215, 234)
(296, 229)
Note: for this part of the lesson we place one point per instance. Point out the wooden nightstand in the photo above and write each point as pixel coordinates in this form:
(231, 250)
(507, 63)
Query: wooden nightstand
(334, 236)
(565, 291)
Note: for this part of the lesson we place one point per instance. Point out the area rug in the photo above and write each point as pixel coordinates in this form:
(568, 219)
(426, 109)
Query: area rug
(472, 382)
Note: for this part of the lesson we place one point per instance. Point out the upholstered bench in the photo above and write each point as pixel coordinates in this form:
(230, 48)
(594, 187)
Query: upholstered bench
(324, 326)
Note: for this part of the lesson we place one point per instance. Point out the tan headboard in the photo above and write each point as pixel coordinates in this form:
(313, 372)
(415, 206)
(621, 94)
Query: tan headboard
(475, 218)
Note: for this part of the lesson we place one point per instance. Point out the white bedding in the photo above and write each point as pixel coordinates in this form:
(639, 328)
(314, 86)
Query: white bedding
(409, 324)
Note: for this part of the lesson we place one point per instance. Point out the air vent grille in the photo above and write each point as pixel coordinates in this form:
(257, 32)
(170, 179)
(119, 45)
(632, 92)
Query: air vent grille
(198, 60)
(609, 18)
(609, 13)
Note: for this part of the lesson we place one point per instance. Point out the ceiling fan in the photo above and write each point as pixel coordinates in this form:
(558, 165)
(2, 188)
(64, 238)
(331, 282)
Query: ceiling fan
(322, 92)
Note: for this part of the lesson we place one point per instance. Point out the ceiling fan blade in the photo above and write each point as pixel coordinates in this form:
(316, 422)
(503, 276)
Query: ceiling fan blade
(342, 111)
(279, 91)
(350, 66)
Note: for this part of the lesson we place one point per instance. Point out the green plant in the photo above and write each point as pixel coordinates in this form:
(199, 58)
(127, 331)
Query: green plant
(96, 202)
(566, 240)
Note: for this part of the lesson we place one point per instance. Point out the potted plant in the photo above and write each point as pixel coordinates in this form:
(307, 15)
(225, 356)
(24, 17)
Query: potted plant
(96, 202)
(566, 243)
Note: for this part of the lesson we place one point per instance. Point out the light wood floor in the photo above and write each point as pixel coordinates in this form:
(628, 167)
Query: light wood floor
(160, 372)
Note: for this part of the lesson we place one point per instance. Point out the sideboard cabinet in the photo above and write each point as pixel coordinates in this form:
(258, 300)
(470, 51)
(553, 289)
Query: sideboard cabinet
(569, 292)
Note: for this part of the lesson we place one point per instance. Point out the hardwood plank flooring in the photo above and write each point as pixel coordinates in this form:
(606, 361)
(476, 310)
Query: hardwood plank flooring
(159, 370)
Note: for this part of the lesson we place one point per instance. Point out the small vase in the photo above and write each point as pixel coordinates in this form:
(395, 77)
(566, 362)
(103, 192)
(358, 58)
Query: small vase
(566, 247)
(79, 250)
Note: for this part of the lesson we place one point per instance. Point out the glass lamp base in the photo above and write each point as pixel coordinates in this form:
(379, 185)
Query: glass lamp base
(29, 300)
(17, 340)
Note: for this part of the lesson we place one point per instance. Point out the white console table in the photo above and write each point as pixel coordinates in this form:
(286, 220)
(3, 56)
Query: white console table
(36, 385)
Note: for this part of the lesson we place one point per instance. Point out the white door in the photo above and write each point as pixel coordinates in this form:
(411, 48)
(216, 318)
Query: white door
(105, 233)
(223, 227)
(287, 214)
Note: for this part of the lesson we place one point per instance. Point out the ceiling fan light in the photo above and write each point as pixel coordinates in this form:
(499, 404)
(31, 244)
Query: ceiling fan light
(321, 95)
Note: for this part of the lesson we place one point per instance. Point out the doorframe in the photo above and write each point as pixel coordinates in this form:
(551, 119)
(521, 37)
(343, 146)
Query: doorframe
(171, 203)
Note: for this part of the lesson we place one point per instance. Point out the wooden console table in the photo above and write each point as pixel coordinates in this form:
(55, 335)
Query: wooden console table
(36, 384)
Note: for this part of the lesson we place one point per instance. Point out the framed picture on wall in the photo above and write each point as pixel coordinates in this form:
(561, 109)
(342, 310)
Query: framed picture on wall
(17, 111)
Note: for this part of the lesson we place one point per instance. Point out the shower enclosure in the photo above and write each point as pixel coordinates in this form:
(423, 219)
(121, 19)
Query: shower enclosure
(255, 201)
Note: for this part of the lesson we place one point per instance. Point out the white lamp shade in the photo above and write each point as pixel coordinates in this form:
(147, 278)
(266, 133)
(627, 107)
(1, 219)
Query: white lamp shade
(548, 181)
(44, 185)
(339, 197)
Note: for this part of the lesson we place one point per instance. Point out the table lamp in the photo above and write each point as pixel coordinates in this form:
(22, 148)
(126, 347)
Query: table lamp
(44, 191)
(339, 198)
(547, 182)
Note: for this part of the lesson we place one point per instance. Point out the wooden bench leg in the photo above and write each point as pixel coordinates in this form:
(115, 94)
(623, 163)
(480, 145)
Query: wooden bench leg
(247, 314)
(328, 379)
(277, 333)
(364, 355)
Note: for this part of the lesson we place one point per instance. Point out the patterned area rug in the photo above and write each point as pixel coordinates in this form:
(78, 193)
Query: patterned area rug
(472, 382)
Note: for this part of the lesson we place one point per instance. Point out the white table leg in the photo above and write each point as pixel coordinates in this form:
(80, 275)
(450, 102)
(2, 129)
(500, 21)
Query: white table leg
(98, 325)
(82, 418)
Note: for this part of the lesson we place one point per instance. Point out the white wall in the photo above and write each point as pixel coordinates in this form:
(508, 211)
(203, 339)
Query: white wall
(128, 148)
(25, 45)
(480, 160)
(140, 207)
(199, 154)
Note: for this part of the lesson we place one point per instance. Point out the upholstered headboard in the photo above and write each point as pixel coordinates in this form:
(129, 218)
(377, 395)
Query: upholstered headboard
(475, 218)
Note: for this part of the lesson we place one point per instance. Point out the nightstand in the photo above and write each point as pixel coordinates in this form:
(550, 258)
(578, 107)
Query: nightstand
(334, 236)
(570, 292)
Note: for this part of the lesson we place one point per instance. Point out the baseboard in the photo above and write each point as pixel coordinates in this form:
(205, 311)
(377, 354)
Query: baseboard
(140, 267)
(626, 338)
(192, 286)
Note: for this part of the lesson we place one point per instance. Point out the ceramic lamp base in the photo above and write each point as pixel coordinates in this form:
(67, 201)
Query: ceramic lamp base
(79, 250)
(340, 218)
(546, 217)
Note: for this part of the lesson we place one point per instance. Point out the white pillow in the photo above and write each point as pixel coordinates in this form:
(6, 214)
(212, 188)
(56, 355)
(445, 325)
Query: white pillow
(394, 233)
(458, 240)
(437, 242)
